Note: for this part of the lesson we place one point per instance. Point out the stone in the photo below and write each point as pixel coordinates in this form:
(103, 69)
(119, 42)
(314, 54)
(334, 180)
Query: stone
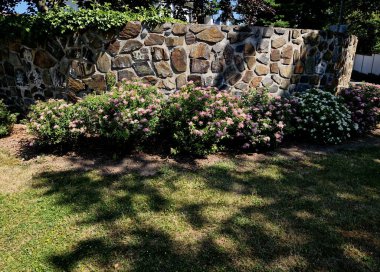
(276, 78)
(231, 75)
(241, 86)
(151, 80)
(310, 65)
(181, 81)
(278, 42)
(239, 62)
(75, 85)
(217, 66)
(126, 75)
(267, 32)
(295, 79)
(285, 84)
(256, 81)
(298, 41)
(154, 39)
(261, 70)
(96, 82)
(167, 83)
(296, 56)
(196, 79)
(179, 59)
(263, 58)
(43, 59)
(159, 29)
(200, 51)
(251, 61)
(196, 28)
(286, 71)
(113, 47)
(159, 53)
(122, 61)
(130, 30)
(311, 38)
(163, 69)
(327, 56)
(263, 46)
(190, 38)
(130, 46)
(295, 34)
(228, 54)
(174, 41)
(211, 34)
(275, 55)
(298, 67)
(20, 78)
(314, 80)
(217, 48)
(273, 89)
(199, 66)
(248, 75)
(143, 69)
(249, 50)
(142, 55)
(226, 28)
(287, 54)
(179, 29)
(274, 68)
(104, 62)
(267, 82)
(80, 69)
(236, 37)
(280, 31)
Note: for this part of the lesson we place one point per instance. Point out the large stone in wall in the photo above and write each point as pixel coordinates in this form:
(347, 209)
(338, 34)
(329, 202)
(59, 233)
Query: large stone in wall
(43, 59)
(159, 53)
(154, 39)
(196, 28)
(131, 30)
(179, 29)
(141, 55)
(104, 62)
(261, 69)
(278, 42)
(190, 38)
(249, 50)
(179, 59)
(113, 47)
(251, 62)
(181, 81)
(200, 51)
(174, 41)
(96, 82)
(75, 85)
(80, 69)
(217, 66)
(239, 62)
(199, 66)
(163, 69)
(130, 46)
(286, 71)
(286, 54)
(143, 69)
(211, 34)
(126, 75)
(122, 61)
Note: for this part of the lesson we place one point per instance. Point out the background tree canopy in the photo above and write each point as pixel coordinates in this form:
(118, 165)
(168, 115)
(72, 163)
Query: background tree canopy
(361, 16)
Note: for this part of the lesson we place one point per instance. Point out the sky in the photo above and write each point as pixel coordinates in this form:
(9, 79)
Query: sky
(21, 8)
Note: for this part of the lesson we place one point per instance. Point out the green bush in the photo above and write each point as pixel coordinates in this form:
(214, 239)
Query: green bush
(7, 120)
(323, 117)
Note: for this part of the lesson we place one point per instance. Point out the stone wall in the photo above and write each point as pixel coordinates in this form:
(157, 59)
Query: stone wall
(229, 57)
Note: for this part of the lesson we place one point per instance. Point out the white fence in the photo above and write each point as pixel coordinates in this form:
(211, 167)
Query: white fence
(367, 64)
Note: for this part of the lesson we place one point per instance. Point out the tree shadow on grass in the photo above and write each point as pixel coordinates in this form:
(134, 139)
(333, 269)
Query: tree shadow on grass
(318, 213)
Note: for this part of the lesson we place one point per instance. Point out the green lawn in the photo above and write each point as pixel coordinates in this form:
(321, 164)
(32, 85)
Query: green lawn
(280, 213)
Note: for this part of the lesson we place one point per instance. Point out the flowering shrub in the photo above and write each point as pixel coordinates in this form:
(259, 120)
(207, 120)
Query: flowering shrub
(269, 118)
(363, 102)
(322, 117)
(128, 112)
(6, 120)
(201, 120)
(50, 120)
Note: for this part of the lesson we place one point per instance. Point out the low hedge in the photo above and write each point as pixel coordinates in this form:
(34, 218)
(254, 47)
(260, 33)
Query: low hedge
(200, 121)
(7, 120)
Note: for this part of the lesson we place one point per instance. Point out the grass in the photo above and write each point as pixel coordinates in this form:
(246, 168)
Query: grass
(281, 213)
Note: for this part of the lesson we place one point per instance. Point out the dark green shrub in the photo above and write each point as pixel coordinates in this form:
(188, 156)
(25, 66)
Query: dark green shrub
(7, 120)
